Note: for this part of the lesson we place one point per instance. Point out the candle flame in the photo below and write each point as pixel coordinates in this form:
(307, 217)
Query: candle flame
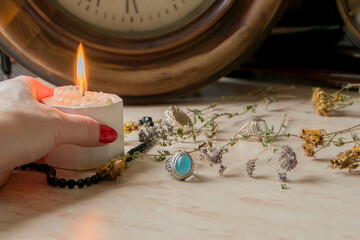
(81, 80)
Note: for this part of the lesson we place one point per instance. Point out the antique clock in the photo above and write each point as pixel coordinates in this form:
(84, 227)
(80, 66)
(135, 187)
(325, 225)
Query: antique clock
(350, 13)
(143, 50)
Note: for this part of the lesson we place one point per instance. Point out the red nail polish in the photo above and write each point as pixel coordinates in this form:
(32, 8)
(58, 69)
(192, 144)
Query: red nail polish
(107, 134)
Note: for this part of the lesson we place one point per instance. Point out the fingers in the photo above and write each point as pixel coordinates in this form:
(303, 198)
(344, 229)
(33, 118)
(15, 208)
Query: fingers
(31, 86)
(85, 132)
(27, 86)
(78, 130)
(72, 129)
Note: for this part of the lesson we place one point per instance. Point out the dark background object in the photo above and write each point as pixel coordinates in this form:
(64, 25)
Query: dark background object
(5, 65)
(311, 42)
(305, 13)
(350, 13)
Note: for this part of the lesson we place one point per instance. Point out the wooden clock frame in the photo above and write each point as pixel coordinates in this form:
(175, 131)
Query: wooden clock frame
(352, 27)
(43, 40)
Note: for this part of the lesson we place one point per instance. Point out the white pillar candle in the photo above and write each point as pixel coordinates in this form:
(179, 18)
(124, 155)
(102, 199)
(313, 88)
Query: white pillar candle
(106, 108)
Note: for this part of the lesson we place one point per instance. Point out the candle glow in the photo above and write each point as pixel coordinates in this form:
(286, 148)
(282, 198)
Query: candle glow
(104, 107)
(78, 96)
(80, 78)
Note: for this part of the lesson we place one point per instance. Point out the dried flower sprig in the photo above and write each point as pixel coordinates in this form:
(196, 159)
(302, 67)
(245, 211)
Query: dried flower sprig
(250, 166)
(349, 159)
(316, 140)
(287, 158)
(166, 135)
(324, 103)
(312, 138)
(259, 92)
(266, 136)
(207, 122)
(213, 156)
(162, 132)
(208, 152)
(130, 127)
(217, 153)
(321, 102)
(198, 114)
(288, 162)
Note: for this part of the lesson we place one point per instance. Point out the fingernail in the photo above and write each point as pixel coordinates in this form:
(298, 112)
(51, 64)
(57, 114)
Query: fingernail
(107, 134)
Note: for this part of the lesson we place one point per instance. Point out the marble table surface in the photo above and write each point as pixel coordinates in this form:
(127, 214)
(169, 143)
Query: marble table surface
(146, 203)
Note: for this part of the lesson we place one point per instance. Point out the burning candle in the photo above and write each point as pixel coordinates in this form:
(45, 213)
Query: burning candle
(104, 107)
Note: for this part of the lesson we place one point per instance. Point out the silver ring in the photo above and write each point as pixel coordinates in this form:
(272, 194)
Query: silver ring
(176, 117)
(180, 165)
(253, 128)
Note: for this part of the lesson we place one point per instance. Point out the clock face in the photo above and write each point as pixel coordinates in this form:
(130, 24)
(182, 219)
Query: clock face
(133, 18)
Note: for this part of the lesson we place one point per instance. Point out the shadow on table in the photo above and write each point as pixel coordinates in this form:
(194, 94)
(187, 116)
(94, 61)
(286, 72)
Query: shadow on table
(307, 179)
(345, 173)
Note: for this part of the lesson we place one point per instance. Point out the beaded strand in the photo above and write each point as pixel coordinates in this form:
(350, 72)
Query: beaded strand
(81, 182)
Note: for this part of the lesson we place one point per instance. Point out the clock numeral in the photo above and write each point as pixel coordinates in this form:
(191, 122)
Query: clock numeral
(131, 5)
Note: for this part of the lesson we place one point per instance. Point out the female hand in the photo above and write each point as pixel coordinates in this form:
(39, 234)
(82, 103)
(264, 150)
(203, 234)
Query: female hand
(30, 129)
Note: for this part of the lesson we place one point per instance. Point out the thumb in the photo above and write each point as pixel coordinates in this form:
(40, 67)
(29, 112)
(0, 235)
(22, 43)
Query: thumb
(85, 132)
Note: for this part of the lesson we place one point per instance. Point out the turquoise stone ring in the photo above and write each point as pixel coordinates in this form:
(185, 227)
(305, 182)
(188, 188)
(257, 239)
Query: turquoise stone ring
(180, 165)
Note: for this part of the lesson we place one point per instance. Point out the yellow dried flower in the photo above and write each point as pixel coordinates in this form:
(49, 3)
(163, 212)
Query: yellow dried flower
(348, 159)
(309, 150)
(130, 126)
(321, 102)
(337, 98)
(112, 169)
(314, 137)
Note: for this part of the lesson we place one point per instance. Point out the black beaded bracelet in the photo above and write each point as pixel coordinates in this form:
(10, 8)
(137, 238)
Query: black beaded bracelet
(81, 182)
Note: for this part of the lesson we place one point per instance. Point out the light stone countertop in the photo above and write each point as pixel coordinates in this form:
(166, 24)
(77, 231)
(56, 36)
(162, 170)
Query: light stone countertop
(146, 203)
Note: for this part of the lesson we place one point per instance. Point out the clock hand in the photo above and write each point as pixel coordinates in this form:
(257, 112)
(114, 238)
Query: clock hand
(134, 4)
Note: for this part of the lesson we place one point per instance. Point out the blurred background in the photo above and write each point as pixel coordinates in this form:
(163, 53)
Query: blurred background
(314, 40)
